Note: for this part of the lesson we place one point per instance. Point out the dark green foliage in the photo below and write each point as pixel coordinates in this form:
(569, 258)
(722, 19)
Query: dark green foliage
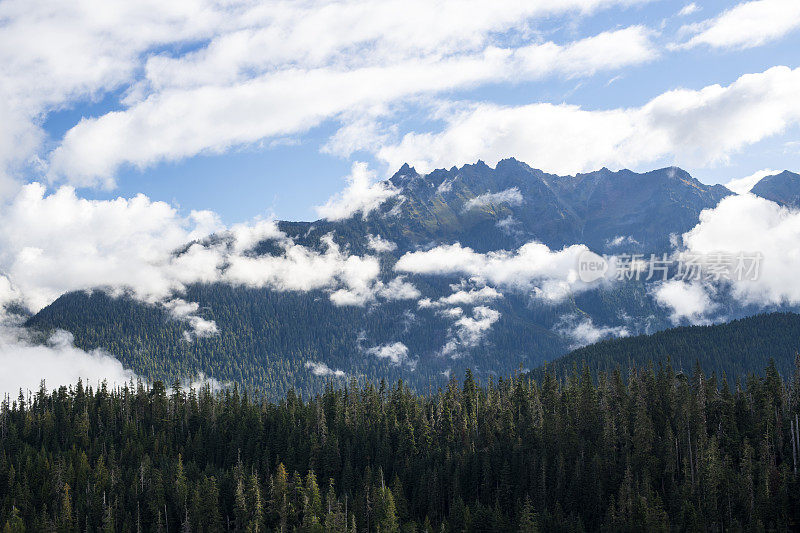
(734, 350)
(266, 338)
(656, 451)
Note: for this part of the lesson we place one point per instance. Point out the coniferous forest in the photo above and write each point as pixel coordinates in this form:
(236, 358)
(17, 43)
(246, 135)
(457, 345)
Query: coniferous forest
(650, 449)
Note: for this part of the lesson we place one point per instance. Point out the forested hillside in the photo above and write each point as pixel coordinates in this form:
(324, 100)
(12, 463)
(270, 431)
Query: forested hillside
(272, 339)
(654, 452)
(266, 338)
(734, 349)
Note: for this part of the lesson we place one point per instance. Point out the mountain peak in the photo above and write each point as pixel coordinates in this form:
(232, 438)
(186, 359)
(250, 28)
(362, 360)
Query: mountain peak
(783, 188)
(405, 174)
(406, 168)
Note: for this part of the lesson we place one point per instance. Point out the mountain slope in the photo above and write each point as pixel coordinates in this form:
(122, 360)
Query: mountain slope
(735, 349)
(269, 336)
(783, 188)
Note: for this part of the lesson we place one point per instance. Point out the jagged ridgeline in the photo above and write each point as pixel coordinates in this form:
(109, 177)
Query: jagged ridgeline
(652, 451)
(269, 340)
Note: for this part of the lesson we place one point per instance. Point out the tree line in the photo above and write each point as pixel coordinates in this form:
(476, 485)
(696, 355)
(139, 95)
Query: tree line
(653, 450)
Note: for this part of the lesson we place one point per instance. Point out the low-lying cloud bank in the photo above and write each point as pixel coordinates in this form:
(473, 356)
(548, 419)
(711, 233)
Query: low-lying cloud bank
(52, 244)
(57, 243)
(363, 194)
(510, 196)
(468, 331)
(25, 363)
(583, 330)
(741, 224)
(550, 275)
(321, 369)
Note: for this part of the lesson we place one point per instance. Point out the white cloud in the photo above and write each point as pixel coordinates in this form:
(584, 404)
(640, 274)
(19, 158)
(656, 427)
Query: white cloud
(510, 196)
(321, 369)
(757, 244)
(748, 224)
(378, 244)
(745, 184)
(93, 47)
(621, 240)
(51, 244)
(302, 269)
(469, 331)
(187, 311)
(746, 25)
(396, 353)
(697, 127)
(463, 297)
(583, 331)
(25, 363)
(247, 236)
(688, 9)
(287, 95)
(686, 300)
(363, 194)
(551, 275)
(202, 381)
(398, 289)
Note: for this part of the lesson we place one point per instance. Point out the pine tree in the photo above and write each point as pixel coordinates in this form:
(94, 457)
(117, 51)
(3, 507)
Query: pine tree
(240, 506)
(255, 505)
(279, 497)
(65, 523)
(527, 518)
(14, 524)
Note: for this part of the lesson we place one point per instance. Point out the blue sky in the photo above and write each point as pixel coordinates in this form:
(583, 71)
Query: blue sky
(289, 167)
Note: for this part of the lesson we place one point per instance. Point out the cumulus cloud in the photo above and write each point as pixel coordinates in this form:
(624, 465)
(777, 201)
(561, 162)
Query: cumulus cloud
(363, 194)
(692, 126)
(469, 331)
(551, 275)
(201, 381)
(754, 242)
(51, 244)
(746, 25)
(747, 224)
(188, 311)
(397, 289)
(25, 363)
(118, 47)
(745, 184)
(321, 369)
(376, 243)
(462, 297)
(687, 301)
(621, 240)
(510, 196)
(396, 353)
(98, 48)
(583, 331)
(303, 269)
(688, 9)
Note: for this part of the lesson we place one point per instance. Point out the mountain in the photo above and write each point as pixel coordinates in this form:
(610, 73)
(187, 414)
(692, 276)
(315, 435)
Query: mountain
(736, 349)
(506, 206)
(282, 337)
(783, 188)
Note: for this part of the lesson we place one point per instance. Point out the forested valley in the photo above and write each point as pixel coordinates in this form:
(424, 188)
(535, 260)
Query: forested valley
(649, 449)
